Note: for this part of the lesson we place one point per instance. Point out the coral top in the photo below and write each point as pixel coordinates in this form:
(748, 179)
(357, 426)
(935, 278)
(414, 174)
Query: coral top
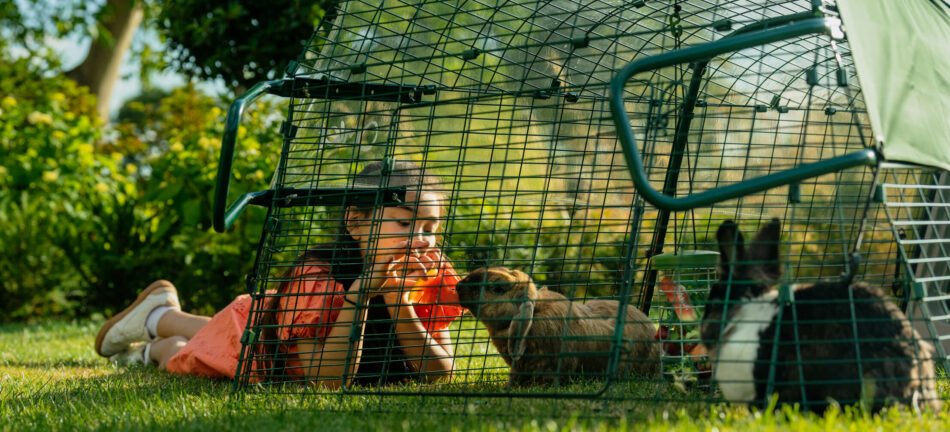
(314, 302)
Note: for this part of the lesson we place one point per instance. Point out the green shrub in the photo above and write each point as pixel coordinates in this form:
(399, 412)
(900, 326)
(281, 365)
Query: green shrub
(47, 133)
(92, 214)
(174, 148)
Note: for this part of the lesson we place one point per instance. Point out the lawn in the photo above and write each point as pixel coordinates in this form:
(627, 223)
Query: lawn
(50, 379)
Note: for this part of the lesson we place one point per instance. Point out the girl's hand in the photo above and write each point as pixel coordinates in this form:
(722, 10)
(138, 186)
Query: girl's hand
(432, 259)
(399, 261)
(401, 274)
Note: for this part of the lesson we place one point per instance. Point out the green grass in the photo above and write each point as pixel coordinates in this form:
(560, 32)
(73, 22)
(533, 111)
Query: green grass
(50, 379)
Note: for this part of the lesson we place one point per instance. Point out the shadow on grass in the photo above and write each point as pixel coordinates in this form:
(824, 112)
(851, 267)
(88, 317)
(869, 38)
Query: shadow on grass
(55, 327)
(46, 365)
(141, 398)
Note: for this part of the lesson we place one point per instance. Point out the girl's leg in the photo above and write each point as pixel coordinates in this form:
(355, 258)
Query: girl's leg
(175, 323)
(131, 324)
(164, 349)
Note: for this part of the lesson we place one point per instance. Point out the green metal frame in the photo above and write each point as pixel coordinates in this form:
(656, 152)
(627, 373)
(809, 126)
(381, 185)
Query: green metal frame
(914, 295)
(221, 218)
(489, 121)
(327, 88)
(702, 53)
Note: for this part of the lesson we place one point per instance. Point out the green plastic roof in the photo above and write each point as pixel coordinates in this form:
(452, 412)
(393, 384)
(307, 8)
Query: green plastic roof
(901, 50)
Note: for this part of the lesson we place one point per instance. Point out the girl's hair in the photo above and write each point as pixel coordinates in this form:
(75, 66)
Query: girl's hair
(346, 265)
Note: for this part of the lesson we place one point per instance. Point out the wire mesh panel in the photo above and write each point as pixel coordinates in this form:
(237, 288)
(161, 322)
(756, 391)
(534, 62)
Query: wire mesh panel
(504, 105)
(805, 308)
(916, 200)
(684, 282)
(473, 145)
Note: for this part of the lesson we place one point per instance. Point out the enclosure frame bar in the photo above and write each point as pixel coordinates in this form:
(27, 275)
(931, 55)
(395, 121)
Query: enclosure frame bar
(827, 26)
(680, 140)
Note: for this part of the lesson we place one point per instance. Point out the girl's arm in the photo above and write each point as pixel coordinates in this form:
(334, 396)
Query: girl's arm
(429, 353)
(326, 362)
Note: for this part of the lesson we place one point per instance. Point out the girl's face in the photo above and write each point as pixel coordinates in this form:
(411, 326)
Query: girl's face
(407, 229)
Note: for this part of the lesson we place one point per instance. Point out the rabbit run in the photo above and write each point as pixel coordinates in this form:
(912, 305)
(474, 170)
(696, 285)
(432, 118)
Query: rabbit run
(542, 334)
(834, 341)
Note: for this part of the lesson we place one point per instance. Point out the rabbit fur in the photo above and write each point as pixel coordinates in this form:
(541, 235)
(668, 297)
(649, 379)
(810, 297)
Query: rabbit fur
(527, 326)
(741, 320)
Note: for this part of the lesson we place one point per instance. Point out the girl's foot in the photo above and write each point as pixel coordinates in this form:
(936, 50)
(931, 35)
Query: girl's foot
(137, 353)
(128, 326)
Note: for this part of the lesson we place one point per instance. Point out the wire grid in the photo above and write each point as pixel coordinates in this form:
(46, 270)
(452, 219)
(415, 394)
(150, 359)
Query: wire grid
(677, 309)
(759, 111)
(917, 200)
(507, 104)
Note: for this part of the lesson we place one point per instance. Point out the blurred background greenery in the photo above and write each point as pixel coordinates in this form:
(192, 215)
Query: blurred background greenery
(93, 208)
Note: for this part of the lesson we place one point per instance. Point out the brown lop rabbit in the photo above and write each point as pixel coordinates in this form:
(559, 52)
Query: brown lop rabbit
(543, 335)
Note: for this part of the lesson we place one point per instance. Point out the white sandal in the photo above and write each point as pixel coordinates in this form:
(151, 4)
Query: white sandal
(137, 353)
(128, 326)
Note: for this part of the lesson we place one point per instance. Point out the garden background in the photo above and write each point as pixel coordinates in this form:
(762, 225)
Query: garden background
(94, 207)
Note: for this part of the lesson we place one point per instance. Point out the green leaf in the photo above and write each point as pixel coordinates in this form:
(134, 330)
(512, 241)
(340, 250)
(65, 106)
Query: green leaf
(191, 212)
(162, 194)
(163, 226)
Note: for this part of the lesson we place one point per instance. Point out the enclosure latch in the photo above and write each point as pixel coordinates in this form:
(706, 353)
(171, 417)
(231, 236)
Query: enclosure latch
(842, 74)
(579, 42)
(287, 129)
(358, 68)
(811, 76)
(471, 54)
(271, 224)
(250, 281)
(249, 337)
(878, 194)
(795, 193)
(722, 25)
(777, 104)
(545, 94)
(291, 68)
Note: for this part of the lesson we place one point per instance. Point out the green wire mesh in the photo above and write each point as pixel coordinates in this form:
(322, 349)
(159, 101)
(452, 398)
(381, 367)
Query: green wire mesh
(506, 102)
(684, 281)
(917, 203)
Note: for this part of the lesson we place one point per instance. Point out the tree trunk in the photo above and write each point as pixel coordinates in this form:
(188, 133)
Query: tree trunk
(100, 70)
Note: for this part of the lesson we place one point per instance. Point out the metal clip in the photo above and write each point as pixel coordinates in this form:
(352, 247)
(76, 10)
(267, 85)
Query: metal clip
(676, 26)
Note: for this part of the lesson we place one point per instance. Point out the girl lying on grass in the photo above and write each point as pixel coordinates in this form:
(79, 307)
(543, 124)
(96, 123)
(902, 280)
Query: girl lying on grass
(346, 312)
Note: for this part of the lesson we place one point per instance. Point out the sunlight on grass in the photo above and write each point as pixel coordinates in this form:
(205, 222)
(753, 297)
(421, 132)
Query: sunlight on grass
(50, 379)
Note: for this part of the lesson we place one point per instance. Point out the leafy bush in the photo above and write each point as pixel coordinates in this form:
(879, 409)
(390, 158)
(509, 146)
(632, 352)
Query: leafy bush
(91, 214)
(47, 131)
(174, 148)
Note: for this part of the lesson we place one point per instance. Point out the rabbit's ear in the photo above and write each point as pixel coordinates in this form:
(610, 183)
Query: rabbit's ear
(520, 276)
(731, 245)
(518, 332)
(764, 249)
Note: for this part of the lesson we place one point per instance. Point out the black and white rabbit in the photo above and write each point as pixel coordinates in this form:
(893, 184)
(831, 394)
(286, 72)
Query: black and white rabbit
(854, 344)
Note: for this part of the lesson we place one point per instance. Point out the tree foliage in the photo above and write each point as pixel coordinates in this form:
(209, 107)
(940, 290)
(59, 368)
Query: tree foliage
(30, 22)
(240, 42)
(92, 214)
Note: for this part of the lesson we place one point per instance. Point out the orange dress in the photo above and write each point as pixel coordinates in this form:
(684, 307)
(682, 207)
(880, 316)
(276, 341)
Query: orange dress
(314, 303)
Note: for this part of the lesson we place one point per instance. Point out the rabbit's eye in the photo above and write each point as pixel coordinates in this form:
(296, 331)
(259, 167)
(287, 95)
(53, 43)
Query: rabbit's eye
(497, 288)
